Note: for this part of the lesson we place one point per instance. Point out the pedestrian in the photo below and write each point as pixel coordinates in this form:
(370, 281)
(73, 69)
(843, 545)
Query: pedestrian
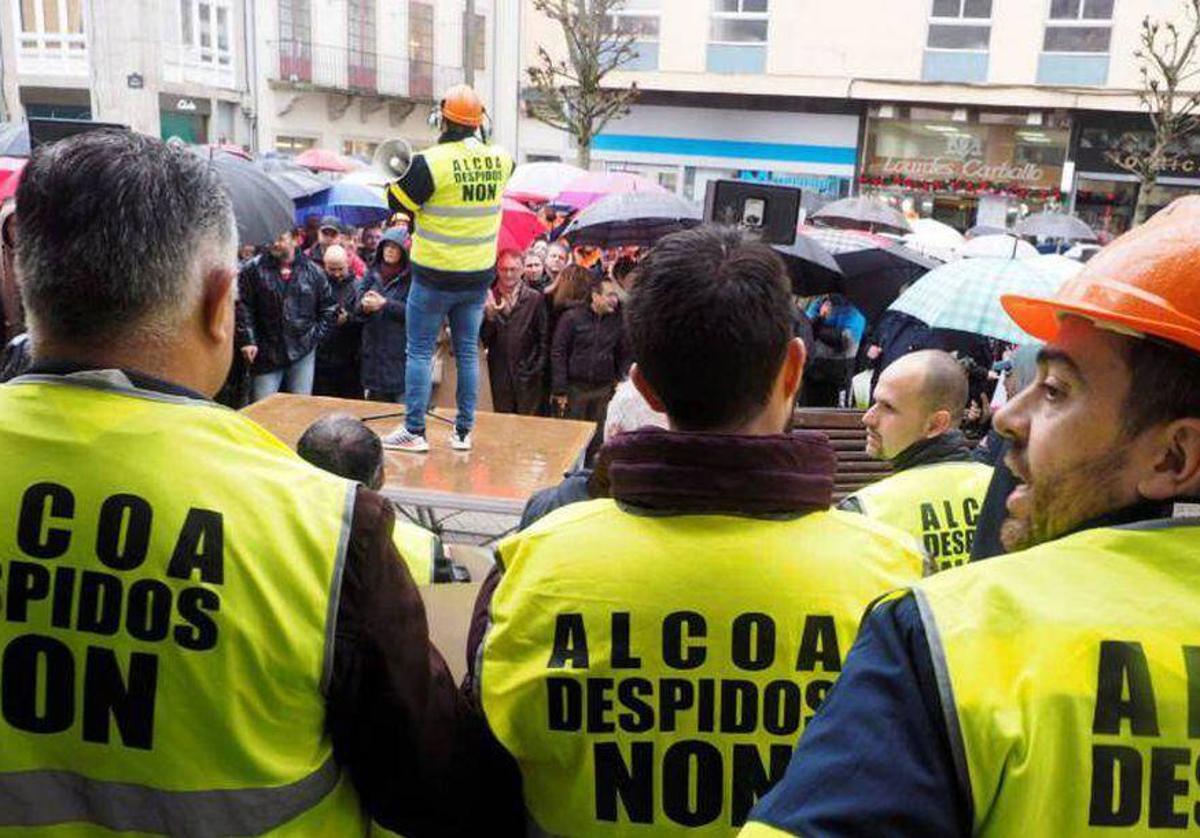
(515, 332)
(1053, 690)
(382, 305)
(837, 329)
(371, 234)
(285, 308)
(339, 356)
(570, 290)
(247, 654)
(534, 270)
(558, 257)
(589, 355)
(645, 658)
(936, 489)
(455, 190)
(342, 444)
(329, 233)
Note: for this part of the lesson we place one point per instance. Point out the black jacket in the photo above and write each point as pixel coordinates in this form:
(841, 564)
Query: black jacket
(285, 319)
(588, 350)
(384, 336)
(341, 347)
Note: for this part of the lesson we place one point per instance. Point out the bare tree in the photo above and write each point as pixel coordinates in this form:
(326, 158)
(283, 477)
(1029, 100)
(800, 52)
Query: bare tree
(1168, 54)
(569, 95)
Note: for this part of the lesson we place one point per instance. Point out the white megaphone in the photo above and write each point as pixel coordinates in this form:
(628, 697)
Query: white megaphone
(392, 158)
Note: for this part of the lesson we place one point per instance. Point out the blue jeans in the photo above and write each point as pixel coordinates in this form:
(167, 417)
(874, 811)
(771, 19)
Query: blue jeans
(427, 308)
(297, 378)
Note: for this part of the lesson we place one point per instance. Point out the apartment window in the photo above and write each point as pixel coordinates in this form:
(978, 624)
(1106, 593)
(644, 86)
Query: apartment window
(295, 40)
(420, 49)
(362, 59)
(1079, 26)
(204, 28)
(737, 36)
(51, 24)
(641, 20)
(956, 45)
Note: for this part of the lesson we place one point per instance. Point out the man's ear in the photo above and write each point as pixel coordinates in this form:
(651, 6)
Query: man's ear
(1174, 461)
(220, 297)
(791, 374)
(937, 423)
(643, 387)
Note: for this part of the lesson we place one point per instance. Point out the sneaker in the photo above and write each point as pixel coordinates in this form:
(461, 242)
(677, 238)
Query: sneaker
(460, 441)
(402, 439)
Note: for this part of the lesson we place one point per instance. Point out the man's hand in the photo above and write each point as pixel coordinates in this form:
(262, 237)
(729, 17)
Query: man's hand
(826, 310)
(372, 301)
(559, 403)
(873, 352)
(490, 309)
(342, 317)
(249, 353)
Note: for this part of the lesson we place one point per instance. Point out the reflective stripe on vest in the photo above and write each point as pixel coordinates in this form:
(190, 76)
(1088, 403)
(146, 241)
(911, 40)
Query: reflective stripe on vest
(163, 668)
(456, 229)
(653, 673)
(1069, 675)
(419, 549)
(936, 504)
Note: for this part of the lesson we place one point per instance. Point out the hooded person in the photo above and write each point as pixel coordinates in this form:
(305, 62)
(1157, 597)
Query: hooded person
(381, 305)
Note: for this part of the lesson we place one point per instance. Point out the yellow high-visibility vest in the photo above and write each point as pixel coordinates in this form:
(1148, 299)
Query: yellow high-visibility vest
(170, 574)
(938, 505)
(419, 548)
(457, 228)
(1072, 682)
(650, 673)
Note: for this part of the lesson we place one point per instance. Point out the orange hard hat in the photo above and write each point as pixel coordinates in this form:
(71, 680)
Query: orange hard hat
(1146, 283)
(462, 106)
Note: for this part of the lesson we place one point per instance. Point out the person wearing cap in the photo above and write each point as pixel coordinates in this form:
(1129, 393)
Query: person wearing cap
(453, 191)
(936, 489)
(1052, 691)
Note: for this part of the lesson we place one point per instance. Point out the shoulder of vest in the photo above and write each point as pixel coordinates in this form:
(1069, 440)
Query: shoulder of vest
(864, 525)
(564, 519)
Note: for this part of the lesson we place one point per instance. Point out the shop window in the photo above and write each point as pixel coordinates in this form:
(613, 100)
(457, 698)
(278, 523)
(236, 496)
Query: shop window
(361, 61)
(737, 36)
(1075, 46)
(642, 21)
(364, 149)
(293, 145)
(420, 49)
(295, 40)
(957, 42)
(204, 31)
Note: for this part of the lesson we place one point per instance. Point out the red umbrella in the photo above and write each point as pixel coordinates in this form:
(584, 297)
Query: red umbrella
(593, 186)
(519, 226)
(10, 175)
(323, 160)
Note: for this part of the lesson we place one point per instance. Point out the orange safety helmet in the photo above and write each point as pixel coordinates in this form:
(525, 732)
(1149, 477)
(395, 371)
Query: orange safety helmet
(462, 106)
(1146, 283)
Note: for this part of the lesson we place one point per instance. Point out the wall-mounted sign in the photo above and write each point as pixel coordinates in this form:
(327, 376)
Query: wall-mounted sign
(192, 106)
(185, 105)
(135, 81)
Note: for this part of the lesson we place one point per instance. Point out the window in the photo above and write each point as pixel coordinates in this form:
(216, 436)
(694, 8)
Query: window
(739, 22)
(420, 49)
(295, 40)
(1079, 26)
(640, 20)
(294, 145)
(960, 25)
(204, 30)
(51, 24)
(362, 58)
(360, 148)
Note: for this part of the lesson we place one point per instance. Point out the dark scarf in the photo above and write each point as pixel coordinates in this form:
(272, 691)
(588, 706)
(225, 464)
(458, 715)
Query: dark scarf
(388, 273)
(950, 447)
(667, 471)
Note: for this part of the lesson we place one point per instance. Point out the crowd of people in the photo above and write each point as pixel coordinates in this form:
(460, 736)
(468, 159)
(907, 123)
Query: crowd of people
(207, 632)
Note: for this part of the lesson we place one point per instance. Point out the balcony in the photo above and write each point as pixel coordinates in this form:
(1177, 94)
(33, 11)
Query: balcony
(52, 54)
(189, 64)
(303, 66)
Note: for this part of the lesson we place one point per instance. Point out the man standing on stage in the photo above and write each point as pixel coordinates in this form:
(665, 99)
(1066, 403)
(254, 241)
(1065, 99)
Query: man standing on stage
(454, 190)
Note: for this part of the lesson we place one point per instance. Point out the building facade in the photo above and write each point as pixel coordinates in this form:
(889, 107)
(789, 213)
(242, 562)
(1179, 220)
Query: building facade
(268, 75)
(970, 111)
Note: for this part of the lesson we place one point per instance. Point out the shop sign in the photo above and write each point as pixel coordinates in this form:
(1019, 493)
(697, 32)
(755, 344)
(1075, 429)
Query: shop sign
(972, 168)
(1122, 144)
(185, 105)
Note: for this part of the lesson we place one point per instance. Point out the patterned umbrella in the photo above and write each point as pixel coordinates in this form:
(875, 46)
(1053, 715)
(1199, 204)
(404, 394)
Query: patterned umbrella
(965, 295)
(862, 213)
(587, 190)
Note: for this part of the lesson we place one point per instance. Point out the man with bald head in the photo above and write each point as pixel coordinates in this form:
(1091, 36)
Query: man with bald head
(339, 357)
(936, 491)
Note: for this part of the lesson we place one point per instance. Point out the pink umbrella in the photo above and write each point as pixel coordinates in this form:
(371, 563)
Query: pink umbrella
(519, 226)
(10, 175)
(593, 186)
(324, 160)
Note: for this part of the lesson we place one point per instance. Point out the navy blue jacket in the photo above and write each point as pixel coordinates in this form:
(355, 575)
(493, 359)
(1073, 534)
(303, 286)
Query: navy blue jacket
(384, 336)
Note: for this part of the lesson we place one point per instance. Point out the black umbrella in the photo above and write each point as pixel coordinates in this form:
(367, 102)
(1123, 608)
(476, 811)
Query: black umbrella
(263, 210)
(631, 218)
(14, 139)
(812, 268)
(298, 183)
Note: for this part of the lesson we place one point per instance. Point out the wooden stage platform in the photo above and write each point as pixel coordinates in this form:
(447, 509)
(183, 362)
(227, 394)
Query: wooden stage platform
(513, 457)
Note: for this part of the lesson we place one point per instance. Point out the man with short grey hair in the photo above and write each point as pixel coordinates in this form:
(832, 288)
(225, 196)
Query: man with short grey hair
(202, 633)
(339, 357)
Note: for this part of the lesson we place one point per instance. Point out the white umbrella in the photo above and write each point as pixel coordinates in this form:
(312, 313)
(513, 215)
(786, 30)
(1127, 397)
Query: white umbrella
(1055, 225)
(1053, 265)
(539, 182)
(997, 247)
(933, 238)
